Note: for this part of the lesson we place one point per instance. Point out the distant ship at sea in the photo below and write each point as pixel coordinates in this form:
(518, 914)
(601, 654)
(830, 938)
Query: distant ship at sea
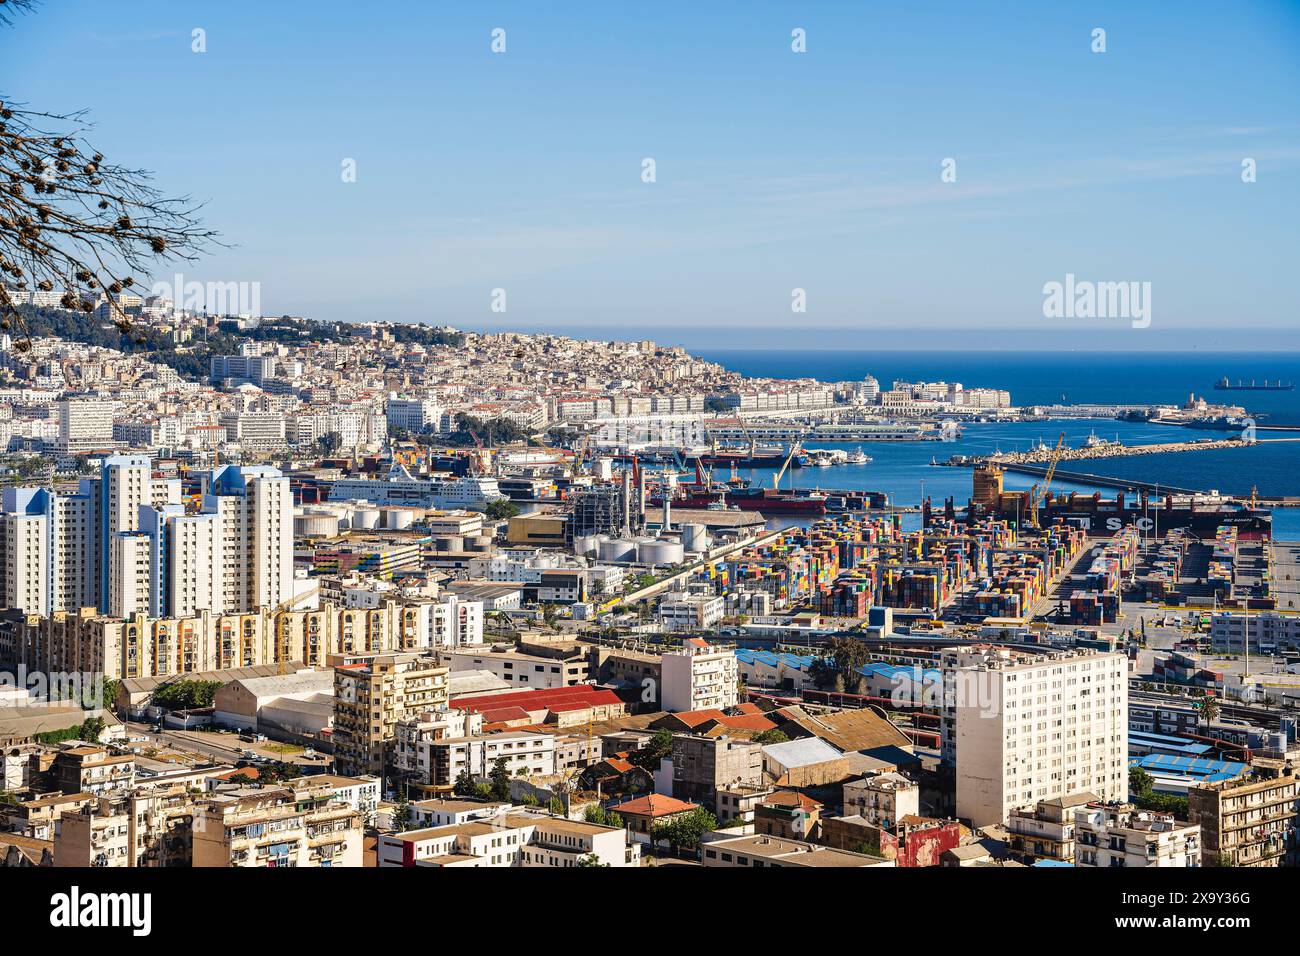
(1223, 385)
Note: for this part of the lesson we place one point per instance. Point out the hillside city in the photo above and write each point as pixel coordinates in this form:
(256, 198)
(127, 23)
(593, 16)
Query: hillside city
(286, 593)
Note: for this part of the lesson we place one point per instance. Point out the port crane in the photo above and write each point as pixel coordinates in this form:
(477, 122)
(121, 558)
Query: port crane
(794, 449)
(1038, 492)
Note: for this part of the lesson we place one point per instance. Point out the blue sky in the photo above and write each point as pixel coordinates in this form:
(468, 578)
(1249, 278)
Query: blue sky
(775, 170)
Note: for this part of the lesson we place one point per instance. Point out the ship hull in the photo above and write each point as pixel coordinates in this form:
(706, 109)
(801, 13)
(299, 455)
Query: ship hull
(762, 503)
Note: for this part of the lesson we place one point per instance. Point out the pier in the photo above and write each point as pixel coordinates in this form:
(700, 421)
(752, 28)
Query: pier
(1102, 481)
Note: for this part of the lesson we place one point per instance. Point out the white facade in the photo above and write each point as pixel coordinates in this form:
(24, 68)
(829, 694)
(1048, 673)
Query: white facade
(1034, 727)
(1107, 837)
(698, 677)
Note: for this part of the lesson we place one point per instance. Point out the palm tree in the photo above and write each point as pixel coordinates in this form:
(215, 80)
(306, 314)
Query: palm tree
(1209, 711)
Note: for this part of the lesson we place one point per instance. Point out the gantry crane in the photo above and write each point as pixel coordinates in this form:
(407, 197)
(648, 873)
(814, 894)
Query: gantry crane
(1038, 492)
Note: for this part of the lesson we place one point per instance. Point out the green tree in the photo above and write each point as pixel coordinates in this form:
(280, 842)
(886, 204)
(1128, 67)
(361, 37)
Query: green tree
(92, 728)
(402, 813)
(685, 831)
(772, 736)
(1139, 781)
(556, 806)
(500, 777)
(464, 785)
(649, 756)
(186, 694)
(590, 860)
(501, 509)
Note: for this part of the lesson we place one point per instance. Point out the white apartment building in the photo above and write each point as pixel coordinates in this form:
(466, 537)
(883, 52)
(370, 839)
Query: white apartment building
(1120, 836)
(517, 839)
(413, 414)
(1031, 727)
(691, 612)
(698, 677)
(525, 670)
(1269, 631)
(526, 754)
(411, 757)
(129, 571)
(85, 424)
(255, 506)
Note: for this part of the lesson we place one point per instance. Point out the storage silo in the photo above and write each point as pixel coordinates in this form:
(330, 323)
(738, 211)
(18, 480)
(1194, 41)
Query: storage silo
(365, 519)
(695, 537)
(618, 549)
(399, 519)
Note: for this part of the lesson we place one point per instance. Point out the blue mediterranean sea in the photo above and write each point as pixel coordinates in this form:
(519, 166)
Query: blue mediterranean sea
(904, 470)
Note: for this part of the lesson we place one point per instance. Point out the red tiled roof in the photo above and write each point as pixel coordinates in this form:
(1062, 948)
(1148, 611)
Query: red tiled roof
(534, 700)
(693, 718)
(655, 805)
(747, 722)
(505, 713)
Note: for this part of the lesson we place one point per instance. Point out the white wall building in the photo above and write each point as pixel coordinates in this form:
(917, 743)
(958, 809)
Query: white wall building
(698, 676)
(1120, 836)
(1027, 728)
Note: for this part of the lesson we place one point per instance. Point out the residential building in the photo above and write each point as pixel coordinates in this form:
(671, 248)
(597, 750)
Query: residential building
(759, 851)
(1117, 835)
(513, 839)
(252, 827)
(1250, 821)
(1027, 728)
(698, 677)
(371, 698)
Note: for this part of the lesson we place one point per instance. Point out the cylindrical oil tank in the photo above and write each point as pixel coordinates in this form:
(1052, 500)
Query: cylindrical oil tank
(366, 519)
(604, 469)
(661, 551)
(618, 549)
(399, 519)
(695, 537)
(316, 525)
(481, 542)
(452, 544)
(585, 544)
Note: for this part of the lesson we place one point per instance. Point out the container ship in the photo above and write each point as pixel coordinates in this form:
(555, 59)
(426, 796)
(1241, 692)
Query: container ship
(1223, 385)
(1104, 516)
(764, 500)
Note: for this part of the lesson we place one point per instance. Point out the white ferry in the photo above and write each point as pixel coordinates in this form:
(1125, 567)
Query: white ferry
(400, 487)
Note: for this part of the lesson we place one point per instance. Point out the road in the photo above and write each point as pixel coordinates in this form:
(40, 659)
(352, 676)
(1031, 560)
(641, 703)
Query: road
(227, 748)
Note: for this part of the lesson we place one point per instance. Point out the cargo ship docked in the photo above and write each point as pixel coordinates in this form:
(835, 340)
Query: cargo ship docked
(1223, 385)
(1104, 516)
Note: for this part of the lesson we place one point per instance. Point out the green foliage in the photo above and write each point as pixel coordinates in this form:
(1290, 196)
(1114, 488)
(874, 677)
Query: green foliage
(186, 694)
(500, 777)
(556, 806)
(772, 736)
(88, 730)
(501, 509)
(648, 757)
(684, 832)
(598, 815)
(1144, 798)
(590, 860)
(464, 785)
(192, 360)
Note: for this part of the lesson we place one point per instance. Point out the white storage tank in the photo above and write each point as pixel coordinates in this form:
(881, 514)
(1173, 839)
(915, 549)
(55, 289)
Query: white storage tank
(585, 544)
(661, 551)
(618, 549)
(695, 537)
(365, 519)
(316, 525)
(399, 519)
(604, 469)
